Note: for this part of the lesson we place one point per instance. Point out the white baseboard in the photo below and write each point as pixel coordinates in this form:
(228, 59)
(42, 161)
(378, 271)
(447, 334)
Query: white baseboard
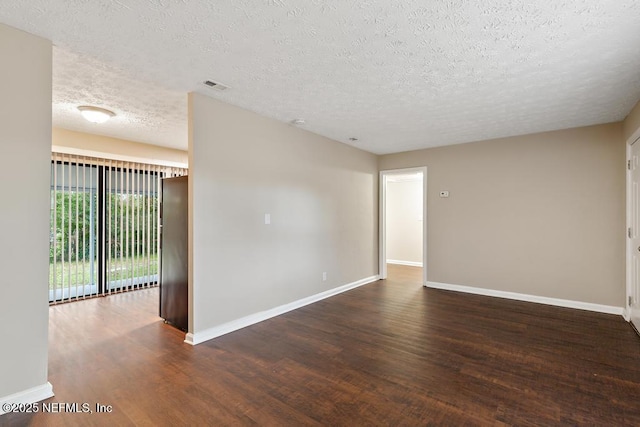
(608, 309)
(409, 263)
(243, 322)
(32, 395)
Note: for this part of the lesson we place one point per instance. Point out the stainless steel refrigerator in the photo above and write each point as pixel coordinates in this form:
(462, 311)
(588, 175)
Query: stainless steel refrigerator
(174, 256)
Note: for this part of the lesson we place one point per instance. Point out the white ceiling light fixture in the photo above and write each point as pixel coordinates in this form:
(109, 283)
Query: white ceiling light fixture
(95, 114)
(298, 122)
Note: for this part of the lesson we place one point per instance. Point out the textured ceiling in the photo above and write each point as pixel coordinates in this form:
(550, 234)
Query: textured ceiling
(144, 111)
(396, 75)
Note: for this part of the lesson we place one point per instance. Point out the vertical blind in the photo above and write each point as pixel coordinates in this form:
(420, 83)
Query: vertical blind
(105, 233)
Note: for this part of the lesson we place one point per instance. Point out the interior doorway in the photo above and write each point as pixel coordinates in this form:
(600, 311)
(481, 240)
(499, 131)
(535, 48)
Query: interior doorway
(403, 220)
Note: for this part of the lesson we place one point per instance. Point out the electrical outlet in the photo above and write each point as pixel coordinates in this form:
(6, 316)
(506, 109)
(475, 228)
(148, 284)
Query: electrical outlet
(324, 276)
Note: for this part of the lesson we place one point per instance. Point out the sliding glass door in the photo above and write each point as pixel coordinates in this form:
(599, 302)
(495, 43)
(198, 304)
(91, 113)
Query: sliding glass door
(131, 224)
(105, 218)
(73, 238)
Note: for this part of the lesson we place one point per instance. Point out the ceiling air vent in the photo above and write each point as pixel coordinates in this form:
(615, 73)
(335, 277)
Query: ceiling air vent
(215, 85)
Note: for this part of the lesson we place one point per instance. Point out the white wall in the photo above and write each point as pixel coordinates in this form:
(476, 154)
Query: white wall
(404, 222)
(87, 144)
(322, 198)
(25, 148)
(631, 124)
(540, 214)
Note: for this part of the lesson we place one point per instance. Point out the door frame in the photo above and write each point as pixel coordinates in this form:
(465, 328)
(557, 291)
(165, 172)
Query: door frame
(633, 139)
(382, 218)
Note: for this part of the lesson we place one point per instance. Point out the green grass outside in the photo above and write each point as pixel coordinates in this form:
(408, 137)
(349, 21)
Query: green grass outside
(78, 273)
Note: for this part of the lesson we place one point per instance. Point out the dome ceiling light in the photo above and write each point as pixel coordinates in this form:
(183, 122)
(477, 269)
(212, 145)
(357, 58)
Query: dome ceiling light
(95, 114)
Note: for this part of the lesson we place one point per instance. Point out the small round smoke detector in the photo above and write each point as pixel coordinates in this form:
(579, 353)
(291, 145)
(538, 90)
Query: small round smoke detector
(298, 122)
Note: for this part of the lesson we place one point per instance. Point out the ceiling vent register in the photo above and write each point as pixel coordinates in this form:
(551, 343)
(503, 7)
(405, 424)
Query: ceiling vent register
(215, 85)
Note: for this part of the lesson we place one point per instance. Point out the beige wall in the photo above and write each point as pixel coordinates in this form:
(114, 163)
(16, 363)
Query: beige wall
(631, 124)
(103, 146)
(25, 147)
(404, 221)
(322, 198)
(540, 214)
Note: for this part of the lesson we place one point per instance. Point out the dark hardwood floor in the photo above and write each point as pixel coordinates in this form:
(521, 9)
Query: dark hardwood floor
(388, 353)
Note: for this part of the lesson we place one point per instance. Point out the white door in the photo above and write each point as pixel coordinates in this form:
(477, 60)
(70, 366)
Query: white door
(634, 236)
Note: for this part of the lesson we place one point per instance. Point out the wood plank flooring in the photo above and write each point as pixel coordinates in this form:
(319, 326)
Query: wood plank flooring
(388, 353)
